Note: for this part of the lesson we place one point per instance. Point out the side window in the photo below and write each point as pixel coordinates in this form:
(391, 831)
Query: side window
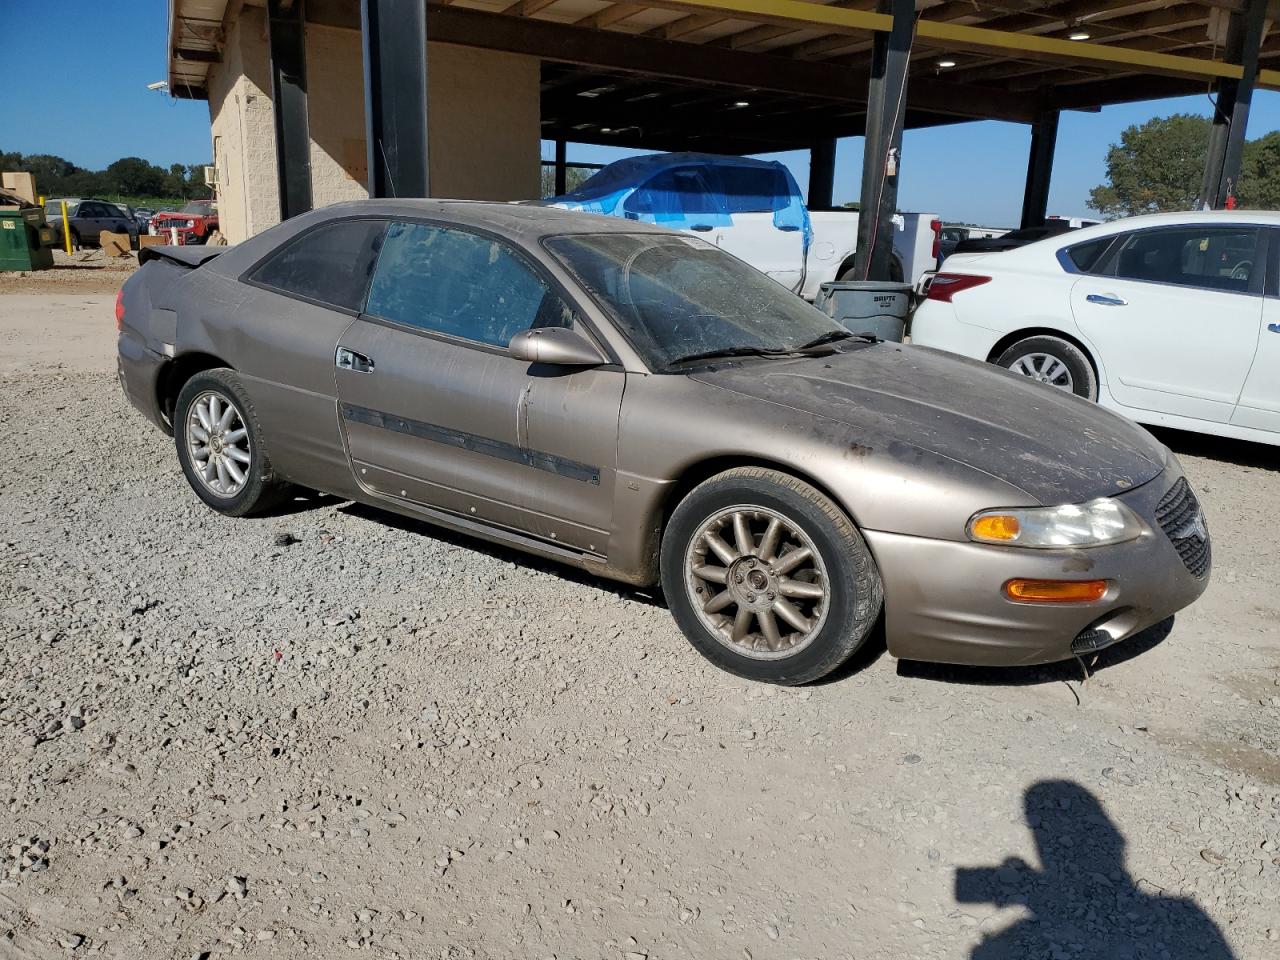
(460, 284)
(1086, 255)
(753, 189)
(1216, 258)
(672, 194)
(330, 264)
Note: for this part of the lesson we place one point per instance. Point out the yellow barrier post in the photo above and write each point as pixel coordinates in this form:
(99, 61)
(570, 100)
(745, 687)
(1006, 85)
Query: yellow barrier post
(66, 229)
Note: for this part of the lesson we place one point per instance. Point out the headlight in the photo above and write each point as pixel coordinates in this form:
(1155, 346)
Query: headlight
(1091, 524)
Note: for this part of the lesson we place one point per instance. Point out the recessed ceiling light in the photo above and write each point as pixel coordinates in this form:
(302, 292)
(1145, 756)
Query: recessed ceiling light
(1078, 35)
(946, 64)
(742, 103)
(606, 129)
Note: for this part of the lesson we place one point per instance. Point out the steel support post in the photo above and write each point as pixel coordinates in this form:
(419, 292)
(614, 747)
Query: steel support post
(395, 91)
(1035, 197)
(287, 41)
(881, 159)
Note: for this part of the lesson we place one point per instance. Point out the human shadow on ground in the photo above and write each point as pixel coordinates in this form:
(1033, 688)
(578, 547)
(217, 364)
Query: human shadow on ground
(1082, 903)
(1118, 653)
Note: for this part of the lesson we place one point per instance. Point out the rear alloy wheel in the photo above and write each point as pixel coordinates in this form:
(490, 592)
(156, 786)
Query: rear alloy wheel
(1053, 361)
(220, 445)
(767, 578)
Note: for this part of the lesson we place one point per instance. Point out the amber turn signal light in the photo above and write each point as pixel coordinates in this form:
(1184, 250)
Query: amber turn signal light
(997, 527)
(1055, 591)
(120, 311)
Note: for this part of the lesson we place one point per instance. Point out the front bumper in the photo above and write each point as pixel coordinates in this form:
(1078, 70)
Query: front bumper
(944, 599)
(186, 235)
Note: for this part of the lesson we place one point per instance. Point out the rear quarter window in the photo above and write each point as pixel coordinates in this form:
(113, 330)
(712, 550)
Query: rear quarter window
(331, 264)
(1086, 256)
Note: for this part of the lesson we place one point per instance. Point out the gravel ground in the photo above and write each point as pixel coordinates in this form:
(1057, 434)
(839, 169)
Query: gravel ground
(85, 271)
(331, 730)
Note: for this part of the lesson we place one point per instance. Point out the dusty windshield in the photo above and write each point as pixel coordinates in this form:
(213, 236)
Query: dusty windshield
(201, 208)
(676, 297)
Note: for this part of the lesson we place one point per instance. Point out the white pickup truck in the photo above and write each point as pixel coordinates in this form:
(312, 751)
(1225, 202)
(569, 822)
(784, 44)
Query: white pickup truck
(754, 210)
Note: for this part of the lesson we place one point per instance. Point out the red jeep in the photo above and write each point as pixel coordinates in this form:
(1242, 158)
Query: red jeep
(194, 222)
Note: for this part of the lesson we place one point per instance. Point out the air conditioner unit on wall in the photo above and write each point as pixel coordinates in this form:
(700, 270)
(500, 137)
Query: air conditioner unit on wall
(210, 176)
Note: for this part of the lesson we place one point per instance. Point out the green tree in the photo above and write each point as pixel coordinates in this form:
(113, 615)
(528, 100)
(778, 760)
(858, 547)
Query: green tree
(129, 178)
(134, 177)
(574, 177)
(1260, 173)
(1156, 166)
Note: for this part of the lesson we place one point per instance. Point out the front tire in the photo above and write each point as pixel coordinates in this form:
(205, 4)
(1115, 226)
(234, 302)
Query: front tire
(1053, 361)
(220, 445)
(767, 578)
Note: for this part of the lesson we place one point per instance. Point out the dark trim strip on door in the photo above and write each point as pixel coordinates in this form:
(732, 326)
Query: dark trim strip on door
(476, 444)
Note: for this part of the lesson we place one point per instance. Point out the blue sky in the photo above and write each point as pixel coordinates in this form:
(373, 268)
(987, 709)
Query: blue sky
(99, 109)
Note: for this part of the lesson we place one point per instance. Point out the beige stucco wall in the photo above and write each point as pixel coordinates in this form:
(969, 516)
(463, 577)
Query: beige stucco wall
(242, 124)
(482, 121)
(335, 115)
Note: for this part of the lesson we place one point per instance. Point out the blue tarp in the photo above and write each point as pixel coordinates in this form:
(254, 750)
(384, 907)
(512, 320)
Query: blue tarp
(684, 190)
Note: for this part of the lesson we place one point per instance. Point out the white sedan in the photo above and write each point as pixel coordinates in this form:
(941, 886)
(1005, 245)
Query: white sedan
(1171, 319)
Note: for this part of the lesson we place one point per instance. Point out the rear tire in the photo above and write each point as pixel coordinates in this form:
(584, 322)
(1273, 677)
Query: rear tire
(895, 273)
(1053, 361)
(220, 445)
(787, 606)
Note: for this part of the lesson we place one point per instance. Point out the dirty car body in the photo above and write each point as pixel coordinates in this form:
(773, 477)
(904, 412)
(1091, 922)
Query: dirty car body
(600, 413)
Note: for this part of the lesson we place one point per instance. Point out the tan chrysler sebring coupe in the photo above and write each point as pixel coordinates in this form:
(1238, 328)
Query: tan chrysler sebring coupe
(640, 404)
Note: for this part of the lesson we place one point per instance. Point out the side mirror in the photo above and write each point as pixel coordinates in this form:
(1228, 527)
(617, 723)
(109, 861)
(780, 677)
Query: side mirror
(555, 345)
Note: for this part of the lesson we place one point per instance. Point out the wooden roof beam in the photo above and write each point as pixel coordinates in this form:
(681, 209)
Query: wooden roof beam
(614, 13)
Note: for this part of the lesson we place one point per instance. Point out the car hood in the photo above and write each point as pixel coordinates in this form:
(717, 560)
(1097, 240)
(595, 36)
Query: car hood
(903, 399)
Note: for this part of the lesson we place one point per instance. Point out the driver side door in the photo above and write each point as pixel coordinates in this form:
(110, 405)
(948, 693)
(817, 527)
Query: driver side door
(435, 410)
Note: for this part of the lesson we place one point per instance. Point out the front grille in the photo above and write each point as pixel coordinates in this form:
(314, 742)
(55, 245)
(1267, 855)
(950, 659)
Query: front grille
(1180, 517)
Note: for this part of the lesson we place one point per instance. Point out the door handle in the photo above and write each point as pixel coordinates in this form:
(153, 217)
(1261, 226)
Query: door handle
(1107, 300)
(355, 362)
(702, 227)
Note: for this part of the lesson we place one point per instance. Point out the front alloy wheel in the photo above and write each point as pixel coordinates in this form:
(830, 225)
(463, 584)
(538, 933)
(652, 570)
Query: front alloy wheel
(757, 582)
(767, 577)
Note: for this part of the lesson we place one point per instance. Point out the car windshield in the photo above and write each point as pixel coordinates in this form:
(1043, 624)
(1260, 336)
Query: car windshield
(677, 297)
(199, 208)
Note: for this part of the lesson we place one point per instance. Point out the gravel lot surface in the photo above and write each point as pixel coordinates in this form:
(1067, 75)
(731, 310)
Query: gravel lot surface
(84, 271)
(331, 730)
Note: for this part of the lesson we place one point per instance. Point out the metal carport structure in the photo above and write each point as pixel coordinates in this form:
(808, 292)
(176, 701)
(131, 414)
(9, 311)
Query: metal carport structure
(752, 76)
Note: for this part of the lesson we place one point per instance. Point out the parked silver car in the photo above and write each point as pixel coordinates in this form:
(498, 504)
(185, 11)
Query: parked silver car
(643, 405)
(88, 218)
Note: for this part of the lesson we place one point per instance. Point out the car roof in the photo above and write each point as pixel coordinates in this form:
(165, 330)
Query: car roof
(525, 221)
(1178, 218)
(1049, 246)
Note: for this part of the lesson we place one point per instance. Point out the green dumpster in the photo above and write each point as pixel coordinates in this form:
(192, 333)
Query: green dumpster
(26, 241)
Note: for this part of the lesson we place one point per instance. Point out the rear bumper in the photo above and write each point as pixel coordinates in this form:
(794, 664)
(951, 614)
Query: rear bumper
(139, 371)
(936, 324)
(944, 599)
